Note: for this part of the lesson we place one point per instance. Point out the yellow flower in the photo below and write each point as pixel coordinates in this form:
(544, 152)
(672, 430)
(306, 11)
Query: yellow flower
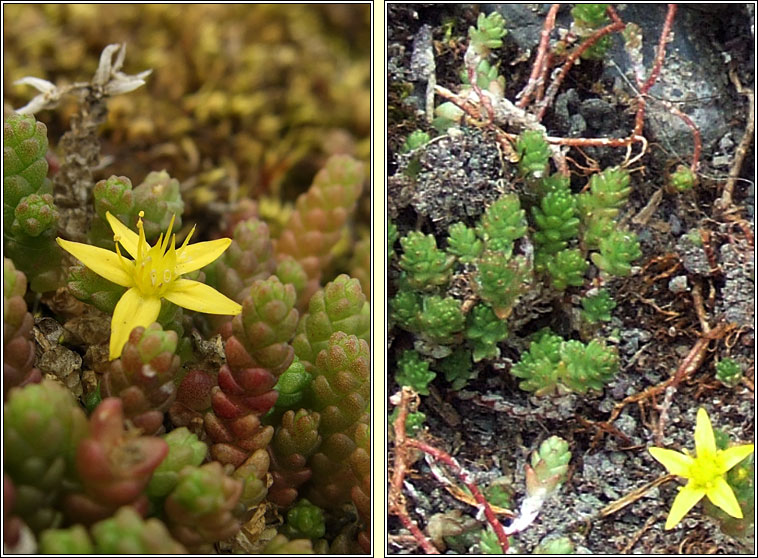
(705, 472)
(152, 275)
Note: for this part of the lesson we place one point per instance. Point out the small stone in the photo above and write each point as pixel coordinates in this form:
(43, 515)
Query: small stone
(678, 284)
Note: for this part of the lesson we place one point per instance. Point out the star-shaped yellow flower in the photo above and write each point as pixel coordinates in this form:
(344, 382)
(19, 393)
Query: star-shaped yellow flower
(704, 472)
(152, 275)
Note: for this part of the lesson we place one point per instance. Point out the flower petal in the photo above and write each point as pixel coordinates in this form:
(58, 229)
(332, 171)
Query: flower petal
(200, 254)
(133, 310)
(684, 502)
(103, 262)
(126, 237)
(199, 297)
(722, 495)
(705, 442)
(731, 456)
(677, 463)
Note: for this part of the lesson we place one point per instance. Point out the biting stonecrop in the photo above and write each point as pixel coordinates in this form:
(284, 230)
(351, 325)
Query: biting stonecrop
(553, 365)
(588, 18)
(728, 372)
(488, 33)
(282, 389)
(597, 306)
(154, 273)
(500, 266)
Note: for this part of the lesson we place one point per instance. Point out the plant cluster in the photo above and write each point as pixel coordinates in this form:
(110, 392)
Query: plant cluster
(193, 423)
(507, 254)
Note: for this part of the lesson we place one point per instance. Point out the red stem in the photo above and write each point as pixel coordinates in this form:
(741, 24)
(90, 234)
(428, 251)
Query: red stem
(661, 53)
(540, 62)
(463, 476)
(575, 54)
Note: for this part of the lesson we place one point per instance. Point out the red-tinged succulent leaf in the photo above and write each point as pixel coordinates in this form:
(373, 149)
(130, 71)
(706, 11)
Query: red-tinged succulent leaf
(114, 467)
(224, 406)
(236, 354)
(195, 390)
(200, 508)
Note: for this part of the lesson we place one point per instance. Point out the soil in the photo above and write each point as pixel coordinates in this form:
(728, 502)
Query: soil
(691, 251)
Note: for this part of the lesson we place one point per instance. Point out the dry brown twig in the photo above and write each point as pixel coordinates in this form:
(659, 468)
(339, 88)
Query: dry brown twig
(747, 138)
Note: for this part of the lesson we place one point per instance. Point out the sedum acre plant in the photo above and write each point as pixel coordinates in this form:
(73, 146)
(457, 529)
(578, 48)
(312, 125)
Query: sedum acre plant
(540, 241)
(201, 384)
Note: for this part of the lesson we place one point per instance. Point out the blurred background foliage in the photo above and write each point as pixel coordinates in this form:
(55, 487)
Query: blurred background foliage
(245, 101)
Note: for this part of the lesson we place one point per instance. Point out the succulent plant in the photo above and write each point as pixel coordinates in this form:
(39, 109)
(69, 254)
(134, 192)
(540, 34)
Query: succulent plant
(485, 330)
(414, 372)
(598, 206)
(200, 508)
(425, 266)
(683, 179)
(463, 243)
(503, 222)
(143, 377)
(319, 217)
(42, 428)
(292, 387)
(567, 268)
(115, 196)
(339, 306)
(553, 363)
(415, 139)
(728, 372)
(18, 348)
(535, 154)
(108, 478)
(341, 385)
(184, 448)
(304, 520)
(257, 354)
(124, 533)
(392, 236)
(548, 466)
(29, 213)
(457, 367)
(24, 163)
(556, 220)
(487, 78)
(295, 441)
(555, 545)
(597, 306)
(250, 257)
(588, 18)
(617, 252)
(159, 197)
(500, 280)
(488, 33)
(440, 319)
